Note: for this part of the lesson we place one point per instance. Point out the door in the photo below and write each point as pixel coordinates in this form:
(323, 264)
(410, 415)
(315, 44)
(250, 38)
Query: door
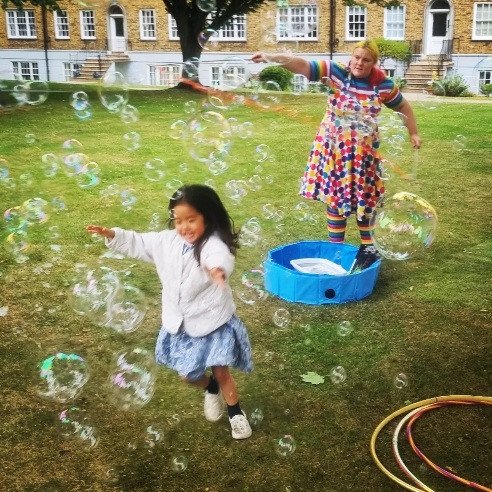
(117, 37)
(437, 26)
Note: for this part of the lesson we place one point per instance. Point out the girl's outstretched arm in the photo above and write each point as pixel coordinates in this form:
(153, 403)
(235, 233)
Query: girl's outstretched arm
(100, 231)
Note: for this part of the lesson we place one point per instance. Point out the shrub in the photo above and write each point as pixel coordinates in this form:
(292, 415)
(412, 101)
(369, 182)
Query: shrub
(486, 89)
(451, 85)
(400, 82)
(277, 74)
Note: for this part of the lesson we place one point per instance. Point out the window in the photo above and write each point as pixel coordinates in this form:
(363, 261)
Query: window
(299, 83)
(297, 23)
(25, 70)
(21, 24)
(482, 21)
(147, 24)
(87, 24)
(61, 25)
(71, 70)
(167, 75)
(390, 72)
(233, 30)
(394, 22)
(217, 73)
(356, 23)
(484, 77)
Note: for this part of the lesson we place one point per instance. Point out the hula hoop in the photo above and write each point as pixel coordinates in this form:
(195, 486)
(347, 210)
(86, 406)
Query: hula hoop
(439, 399)
(423, 457)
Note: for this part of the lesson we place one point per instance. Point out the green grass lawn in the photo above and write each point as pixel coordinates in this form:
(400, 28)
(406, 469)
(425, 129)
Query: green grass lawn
(428, 317)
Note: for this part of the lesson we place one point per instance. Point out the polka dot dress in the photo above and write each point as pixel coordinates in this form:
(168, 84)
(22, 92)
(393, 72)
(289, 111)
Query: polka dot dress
(343, 165)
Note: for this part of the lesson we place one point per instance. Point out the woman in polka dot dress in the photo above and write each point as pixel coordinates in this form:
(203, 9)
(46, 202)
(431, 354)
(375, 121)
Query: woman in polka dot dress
(344, 162)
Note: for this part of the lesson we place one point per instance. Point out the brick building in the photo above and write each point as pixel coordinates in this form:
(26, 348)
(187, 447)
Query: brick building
(139, 39)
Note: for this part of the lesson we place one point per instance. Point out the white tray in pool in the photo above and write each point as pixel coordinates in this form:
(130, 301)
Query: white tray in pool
(317, 266)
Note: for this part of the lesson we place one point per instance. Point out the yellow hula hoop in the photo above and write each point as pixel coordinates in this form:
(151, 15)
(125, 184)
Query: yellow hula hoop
(422, 403)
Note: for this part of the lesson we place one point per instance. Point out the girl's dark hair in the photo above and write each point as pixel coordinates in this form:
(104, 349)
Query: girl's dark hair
(206, 201)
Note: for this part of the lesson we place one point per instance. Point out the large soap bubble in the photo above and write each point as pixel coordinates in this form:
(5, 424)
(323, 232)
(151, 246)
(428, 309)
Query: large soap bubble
(113, 91)
(405, 226)
(73, 423)
(127, 310)
(132, 378)
(62, 376)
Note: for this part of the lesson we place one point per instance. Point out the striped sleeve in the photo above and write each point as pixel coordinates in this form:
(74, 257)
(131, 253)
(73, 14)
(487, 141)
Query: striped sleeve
(318, 69)
(390, 93)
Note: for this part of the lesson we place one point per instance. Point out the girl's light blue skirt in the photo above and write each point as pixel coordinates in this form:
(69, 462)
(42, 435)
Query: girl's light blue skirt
(190, 357)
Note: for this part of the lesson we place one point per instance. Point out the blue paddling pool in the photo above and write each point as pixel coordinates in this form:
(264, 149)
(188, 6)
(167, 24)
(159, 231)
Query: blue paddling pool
(284, 281)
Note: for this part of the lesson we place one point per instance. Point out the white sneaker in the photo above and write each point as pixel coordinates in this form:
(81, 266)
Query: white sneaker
(213, 406)
(240, 427)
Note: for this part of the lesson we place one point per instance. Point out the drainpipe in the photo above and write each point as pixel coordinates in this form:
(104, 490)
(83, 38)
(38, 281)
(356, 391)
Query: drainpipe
(332, 27)
(46, 40)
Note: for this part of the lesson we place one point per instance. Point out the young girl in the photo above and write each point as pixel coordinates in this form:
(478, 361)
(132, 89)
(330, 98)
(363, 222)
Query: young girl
(199, 325)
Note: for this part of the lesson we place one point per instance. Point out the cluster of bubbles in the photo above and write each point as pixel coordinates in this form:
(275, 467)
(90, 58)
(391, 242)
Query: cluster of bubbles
(405, 226)
(18, 219)
(107, 300)
(74, 163)
(116, 194)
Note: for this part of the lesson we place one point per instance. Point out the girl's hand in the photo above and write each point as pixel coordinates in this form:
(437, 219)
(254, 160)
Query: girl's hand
(218, 275)
(100, 231)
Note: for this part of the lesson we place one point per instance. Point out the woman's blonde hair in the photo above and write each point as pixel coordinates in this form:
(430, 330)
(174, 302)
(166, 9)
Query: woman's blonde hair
(371, 47)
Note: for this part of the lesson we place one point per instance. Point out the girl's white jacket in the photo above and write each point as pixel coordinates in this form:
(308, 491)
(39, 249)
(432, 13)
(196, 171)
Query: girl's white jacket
(189, 296)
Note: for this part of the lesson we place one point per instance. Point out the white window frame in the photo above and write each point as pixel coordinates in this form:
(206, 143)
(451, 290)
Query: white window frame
(85, 26)
(350, 11)
(27, 17)
(217, 74)
(237, 26)
(484, 77)
(22, 68)
(398, 10)
(61, 21)
(69, 68)
(475, 36)
(157, 74)
(308, 13)
(147, 23)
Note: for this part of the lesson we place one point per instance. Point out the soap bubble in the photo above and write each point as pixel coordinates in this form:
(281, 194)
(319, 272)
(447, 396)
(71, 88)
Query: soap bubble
(88, 176)
(127, 199)
(190, 107)
(26, 179)
(344, 328)
(34, 92)
(281, 318)
(285, 445)
(154, 169)
(460, 143)
(338, 374)
(129, 114)
(204, 38)
(80, 101)
(132, 378)
(62, 376)
(206, 5)
(256, 417)
(262, 152)
(236, 190)
(93, 292)
(405, 226)
(51, 164)
(15, 219)
(30, 138)
(245, 130)
(190, 67)
(72, 422)
(74, 163)
(113, 91)
(401, 380)
(34, 210)
(132, 141)
(178, 129)
(126, 310)
(153, 436)
(179, 463)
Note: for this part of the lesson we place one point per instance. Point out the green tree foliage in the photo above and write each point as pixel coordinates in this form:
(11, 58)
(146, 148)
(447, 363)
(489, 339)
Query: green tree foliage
(21, 4)
(452, 85)
(398, 50)
(277, 74)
